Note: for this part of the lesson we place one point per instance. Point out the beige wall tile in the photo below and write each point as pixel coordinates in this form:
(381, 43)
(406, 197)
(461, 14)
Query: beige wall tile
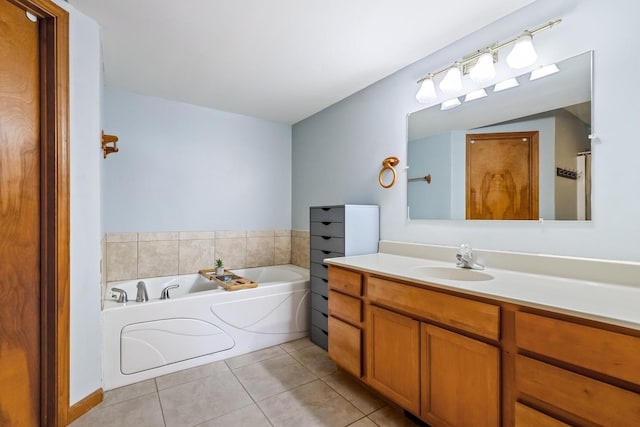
(196, 255)
(300, 248)
(230, 234)
(282, 250)
(164, 235)
(232, 251)
(122, 260)
(197, 235)
(282, 233)
(158, 258)
(260, 251)
(260, 233)
(122, 237)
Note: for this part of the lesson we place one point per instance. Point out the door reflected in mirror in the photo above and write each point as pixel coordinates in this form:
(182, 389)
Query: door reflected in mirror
(522, 153)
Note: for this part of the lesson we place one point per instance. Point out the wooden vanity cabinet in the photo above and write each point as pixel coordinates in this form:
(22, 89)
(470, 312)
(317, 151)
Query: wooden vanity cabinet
(582, 374)
(345, 319)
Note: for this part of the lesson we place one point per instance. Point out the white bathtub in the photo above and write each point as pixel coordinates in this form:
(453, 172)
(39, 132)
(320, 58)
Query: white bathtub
(200, 323)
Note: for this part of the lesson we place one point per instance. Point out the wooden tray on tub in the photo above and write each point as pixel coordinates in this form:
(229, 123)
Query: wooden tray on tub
(229, 280)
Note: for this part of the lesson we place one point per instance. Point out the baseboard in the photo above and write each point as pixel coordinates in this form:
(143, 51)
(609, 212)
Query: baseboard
(83, 406)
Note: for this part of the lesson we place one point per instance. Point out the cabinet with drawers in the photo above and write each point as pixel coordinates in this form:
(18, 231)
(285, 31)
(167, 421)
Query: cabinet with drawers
(336, 231)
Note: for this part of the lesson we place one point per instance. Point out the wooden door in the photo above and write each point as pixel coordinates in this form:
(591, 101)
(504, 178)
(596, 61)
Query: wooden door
(460, 380)
(20, 248)
(393, 359)
(502, 176)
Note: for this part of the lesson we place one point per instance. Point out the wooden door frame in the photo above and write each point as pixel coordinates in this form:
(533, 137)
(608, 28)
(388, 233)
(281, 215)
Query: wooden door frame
(55, 210)
(534, 165)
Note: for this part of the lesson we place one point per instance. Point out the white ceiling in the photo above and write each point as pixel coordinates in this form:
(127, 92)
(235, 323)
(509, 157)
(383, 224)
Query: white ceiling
(281, 60)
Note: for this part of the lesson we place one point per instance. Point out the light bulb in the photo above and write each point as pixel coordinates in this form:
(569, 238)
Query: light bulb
(427, 92)
(484, 70)
(523, 53)
(452, 81)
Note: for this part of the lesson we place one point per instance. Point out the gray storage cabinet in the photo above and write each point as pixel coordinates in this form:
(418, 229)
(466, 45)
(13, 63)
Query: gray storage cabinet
(336, 231)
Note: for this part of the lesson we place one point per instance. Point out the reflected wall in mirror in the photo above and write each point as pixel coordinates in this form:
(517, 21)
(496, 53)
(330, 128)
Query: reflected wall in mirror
(521, 153)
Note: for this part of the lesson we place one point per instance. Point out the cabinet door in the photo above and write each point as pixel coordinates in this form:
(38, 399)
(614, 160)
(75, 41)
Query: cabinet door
(393, 356)
(345, 346)
(460, 379)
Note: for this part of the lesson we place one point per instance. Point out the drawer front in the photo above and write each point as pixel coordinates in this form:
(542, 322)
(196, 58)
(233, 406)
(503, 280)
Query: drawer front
(319, 286)
(345, 281)
(319, 337)
(320, 320)
(319, 270)
(610, 353)
(327, 214)
(345, 346)
(345, 307)
(319, 256)
(324, 243)
(472, 316)
(529, 417)
(584, 397)
(333, 229)
(320, 303)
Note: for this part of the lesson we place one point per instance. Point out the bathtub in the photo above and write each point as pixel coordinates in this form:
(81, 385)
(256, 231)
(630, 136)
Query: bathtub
(200, 322)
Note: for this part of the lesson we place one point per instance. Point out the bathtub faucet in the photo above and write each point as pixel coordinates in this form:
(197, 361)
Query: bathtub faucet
(142, 295)
(120, 294)
(165, 291)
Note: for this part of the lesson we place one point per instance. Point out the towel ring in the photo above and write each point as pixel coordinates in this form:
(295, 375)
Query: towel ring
(388, 164)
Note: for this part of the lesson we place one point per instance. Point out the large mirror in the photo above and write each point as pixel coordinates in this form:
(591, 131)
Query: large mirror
(521, 153)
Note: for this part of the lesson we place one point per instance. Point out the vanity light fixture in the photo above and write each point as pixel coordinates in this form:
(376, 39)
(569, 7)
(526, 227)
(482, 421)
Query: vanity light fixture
(506, 84)
(480, 65)
(449, 104)
(476, 94)
(427, 92)
(544, 72)
(452, 81)
(484, 70)
(523, 53)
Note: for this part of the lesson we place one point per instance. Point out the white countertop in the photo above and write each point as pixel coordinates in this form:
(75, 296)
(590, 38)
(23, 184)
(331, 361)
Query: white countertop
(610, 303)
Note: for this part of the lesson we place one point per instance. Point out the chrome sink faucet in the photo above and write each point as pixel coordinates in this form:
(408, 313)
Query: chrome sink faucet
(165, 292)
(142, 295)
(466, 258)
(120, 295)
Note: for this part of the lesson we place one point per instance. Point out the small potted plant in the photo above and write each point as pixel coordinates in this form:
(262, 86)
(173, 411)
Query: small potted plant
(219, 267)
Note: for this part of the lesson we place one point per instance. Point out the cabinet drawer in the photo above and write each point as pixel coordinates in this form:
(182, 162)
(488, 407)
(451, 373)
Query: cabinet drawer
(333, 244)
(319, 270)
(584, 397)
(345, 281)
(320, 320)
(333, 229)
(320, 303)
(319, 286)
(319, 256)
(610, 353)
(345, 346)
(330, 214)
(319, 337)
(529, 417)
(472, 316)
(345, 307)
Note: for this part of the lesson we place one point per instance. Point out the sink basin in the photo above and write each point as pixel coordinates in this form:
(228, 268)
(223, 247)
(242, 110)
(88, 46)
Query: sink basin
(454, 273)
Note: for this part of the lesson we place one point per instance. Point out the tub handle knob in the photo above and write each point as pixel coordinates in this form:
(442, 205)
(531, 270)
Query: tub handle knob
(120, 294)
(165, 292)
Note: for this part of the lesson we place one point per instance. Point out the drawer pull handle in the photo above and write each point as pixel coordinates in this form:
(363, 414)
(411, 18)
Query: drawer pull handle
(325, 280)
(326, 223)
(326, 209)
(326, 237)
(324, 314)
(325, 332)
(326, 252)
(325, 266)
(325, 298)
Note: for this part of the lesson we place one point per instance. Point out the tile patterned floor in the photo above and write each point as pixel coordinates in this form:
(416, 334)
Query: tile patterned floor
(293, 384)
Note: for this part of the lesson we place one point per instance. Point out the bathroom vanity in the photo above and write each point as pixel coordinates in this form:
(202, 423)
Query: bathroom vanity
(493, 348)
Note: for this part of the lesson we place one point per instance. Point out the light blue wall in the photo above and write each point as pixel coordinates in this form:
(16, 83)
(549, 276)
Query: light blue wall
(182, 167)
(337, 153)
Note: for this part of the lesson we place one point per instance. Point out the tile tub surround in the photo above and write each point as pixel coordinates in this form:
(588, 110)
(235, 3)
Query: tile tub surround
(139, 255)
(293, 384)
